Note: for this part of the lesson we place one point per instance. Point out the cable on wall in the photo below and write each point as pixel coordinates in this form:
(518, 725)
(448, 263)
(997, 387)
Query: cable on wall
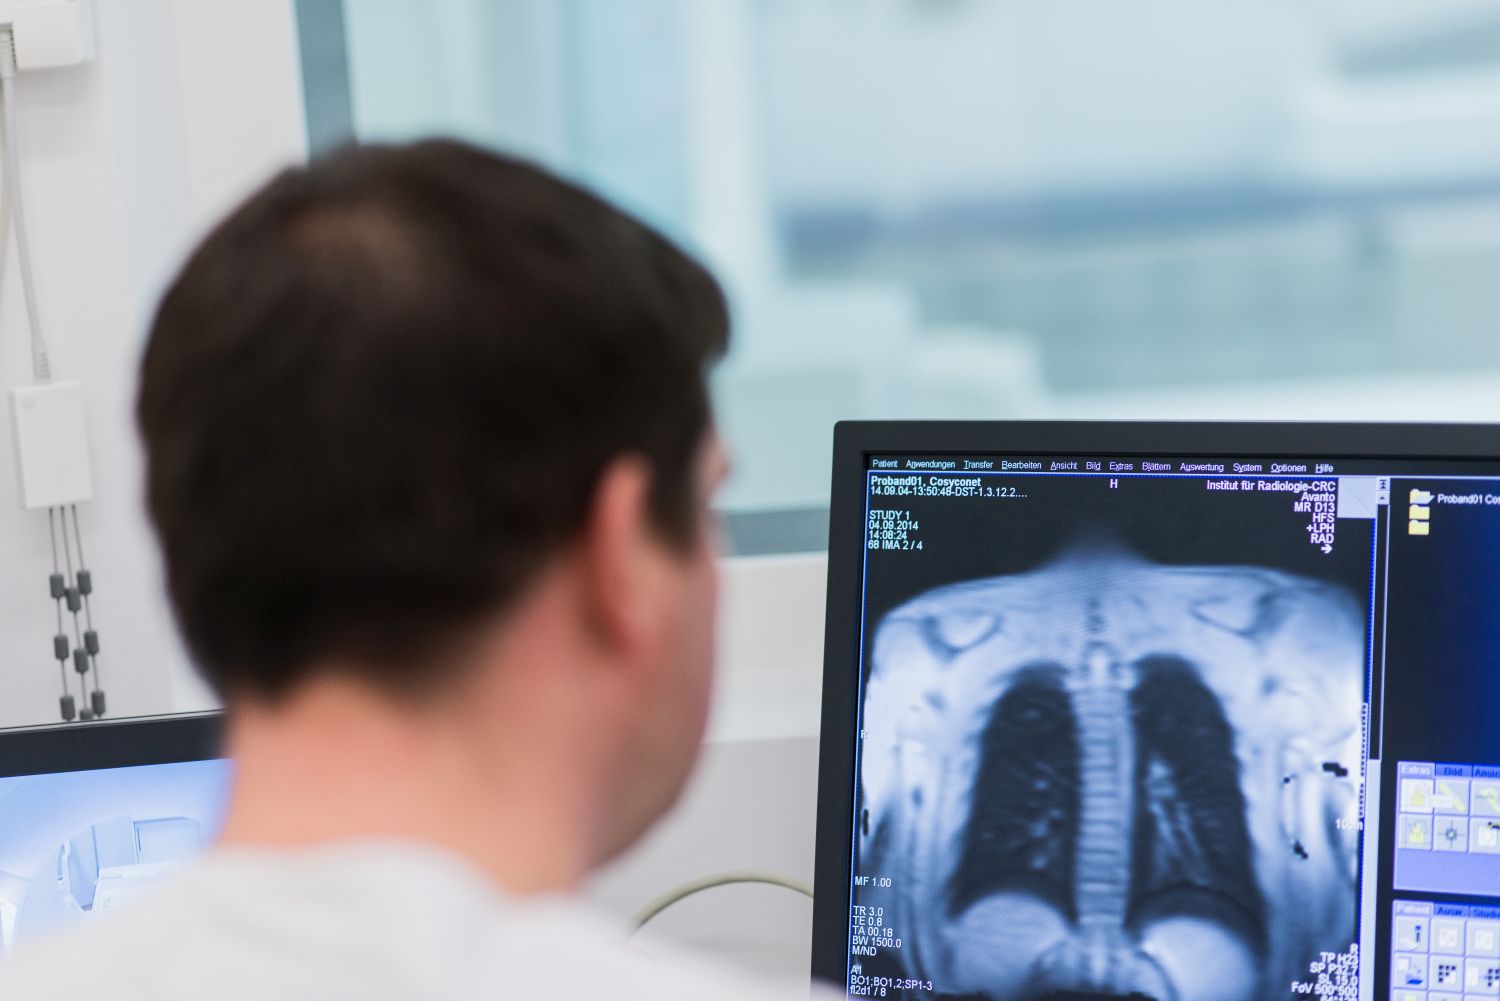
(41, 366)
(46, 416)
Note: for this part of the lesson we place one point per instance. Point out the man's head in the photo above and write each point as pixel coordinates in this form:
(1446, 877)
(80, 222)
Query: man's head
(394, 392)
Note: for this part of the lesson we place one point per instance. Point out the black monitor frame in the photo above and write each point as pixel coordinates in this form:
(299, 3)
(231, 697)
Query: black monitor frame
(853, 444)
(110, 743)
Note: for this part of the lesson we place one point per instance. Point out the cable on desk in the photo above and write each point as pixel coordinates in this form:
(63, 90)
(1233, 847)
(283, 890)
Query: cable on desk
(681, 893)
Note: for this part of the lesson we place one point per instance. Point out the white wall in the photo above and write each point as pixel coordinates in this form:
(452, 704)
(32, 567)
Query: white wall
(126, 161)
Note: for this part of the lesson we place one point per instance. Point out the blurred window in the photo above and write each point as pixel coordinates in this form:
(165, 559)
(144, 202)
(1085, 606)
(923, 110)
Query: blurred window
(998, 208)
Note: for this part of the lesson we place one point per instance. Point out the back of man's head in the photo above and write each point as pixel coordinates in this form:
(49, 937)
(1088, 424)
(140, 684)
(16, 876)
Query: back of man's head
(378, 398)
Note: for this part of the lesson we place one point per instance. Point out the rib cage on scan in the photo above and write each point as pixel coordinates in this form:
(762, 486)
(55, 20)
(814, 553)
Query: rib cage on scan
(1116, 777)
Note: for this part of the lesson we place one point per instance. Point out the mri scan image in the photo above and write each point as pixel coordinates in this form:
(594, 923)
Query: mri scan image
(1108, 776)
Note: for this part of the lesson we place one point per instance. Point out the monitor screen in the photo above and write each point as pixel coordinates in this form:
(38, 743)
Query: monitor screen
(1173, 712)
(93, 816)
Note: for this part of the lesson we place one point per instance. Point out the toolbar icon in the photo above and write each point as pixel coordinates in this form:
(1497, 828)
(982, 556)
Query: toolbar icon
(1451, 834)
(1486, 797)
(1484, 836)
(1450, 795)
(1416, 795)
(1447, 936)
(1416, 832)
(1410, 971)
(1411, 933)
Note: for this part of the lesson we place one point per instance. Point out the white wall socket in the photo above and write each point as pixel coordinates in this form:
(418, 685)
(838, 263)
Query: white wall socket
(49, 33)
(52, 450)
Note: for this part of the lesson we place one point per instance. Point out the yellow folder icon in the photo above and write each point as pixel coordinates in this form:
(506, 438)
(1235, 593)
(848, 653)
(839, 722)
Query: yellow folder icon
(1419, 528)
(1420, 497)
(1420, 513)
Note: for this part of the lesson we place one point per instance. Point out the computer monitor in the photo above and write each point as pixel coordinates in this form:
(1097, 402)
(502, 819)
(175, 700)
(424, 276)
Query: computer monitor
(94, 815)
(1200, 712)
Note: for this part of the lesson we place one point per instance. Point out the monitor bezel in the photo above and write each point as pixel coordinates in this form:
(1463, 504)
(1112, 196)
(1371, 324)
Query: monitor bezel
(110, 743)
(855, 441)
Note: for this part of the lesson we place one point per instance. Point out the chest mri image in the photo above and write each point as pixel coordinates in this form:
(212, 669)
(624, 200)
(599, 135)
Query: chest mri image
(1119, 763)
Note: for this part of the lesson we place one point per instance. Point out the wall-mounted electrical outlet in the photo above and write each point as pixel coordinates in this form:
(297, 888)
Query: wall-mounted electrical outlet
(49, 33)
(52, 452)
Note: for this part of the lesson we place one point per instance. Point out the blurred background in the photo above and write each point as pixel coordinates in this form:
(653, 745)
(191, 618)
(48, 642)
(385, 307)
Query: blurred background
(995, 208)
(942, 208)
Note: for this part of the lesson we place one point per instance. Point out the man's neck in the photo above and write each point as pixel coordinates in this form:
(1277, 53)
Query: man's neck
(338, 763)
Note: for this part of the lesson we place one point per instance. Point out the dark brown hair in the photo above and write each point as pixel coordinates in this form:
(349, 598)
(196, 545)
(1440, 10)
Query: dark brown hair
(379, 395)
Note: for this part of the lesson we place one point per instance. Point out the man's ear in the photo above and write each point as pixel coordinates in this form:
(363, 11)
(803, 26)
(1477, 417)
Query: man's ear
(620, 558)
